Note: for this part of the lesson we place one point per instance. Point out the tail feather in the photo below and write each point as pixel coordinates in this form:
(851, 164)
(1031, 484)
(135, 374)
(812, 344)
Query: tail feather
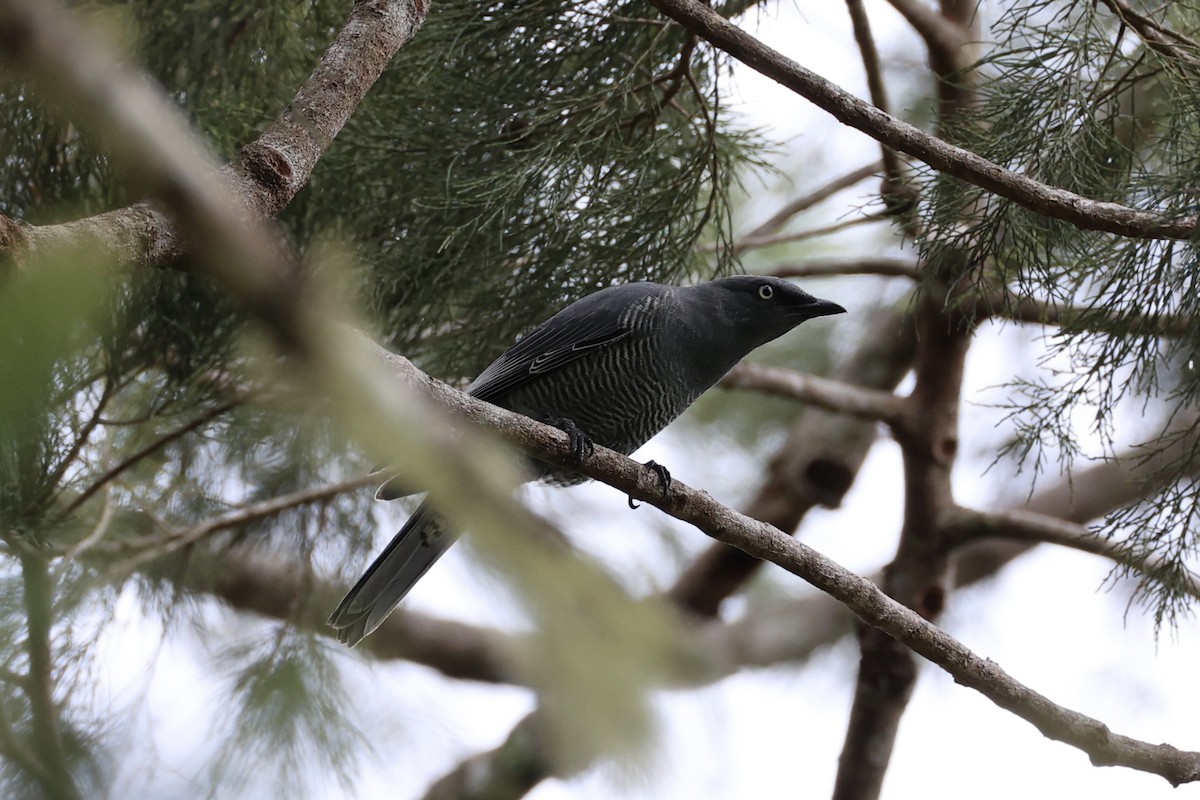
(409, 555)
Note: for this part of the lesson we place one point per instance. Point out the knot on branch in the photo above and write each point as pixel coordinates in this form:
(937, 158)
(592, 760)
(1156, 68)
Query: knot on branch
(267, 167)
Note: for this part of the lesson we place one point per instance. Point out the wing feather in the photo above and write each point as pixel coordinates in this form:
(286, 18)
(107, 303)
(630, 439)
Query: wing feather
(596, 321)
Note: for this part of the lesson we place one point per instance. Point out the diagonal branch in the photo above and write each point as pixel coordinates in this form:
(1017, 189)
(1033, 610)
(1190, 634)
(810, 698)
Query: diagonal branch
(1156, 36)
(805, 202)
(266, 174)
(817, 464)
(1080, 211)
(151, 448)
(860, 595)
(153, 547)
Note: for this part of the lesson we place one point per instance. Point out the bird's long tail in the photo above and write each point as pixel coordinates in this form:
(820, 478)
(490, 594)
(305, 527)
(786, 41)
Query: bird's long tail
(407, 557)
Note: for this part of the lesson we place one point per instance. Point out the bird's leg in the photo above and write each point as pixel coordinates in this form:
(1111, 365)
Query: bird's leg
(664, 480)
(581, 445)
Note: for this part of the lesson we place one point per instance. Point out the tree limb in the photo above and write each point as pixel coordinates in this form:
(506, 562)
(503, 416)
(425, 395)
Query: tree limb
(859, 594)
(831, 395)
(967, 525)
(816, 465)
(1080, 211)
(40, 679)
(267, 172)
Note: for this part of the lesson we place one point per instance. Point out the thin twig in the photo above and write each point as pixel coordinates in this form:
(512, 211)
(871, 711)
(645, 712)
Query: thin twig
(1157, 37)
(153, 447)
(812, 233)
(1100, 320)
(805, 202)
(966, 525)
(821, 392)
(153, 547)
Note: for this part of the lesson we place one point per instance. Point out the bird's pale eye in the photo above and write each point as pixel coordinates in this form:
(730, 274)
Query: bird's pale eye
(766, 291)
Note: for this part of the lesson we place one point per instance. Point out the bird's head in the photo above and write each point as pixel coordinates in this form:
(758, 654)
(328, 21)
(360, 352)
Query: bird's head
(758, 308)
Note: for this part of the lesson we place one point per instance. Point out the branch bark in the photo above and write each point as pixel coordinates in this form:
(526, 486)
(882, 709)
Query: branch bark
(266, 174)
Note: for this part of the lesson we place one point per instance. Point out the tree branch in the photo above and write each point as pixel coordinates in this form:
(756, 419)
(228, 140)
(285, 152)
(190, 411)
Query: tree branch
(156, 546)
(286, 591)
(859, 594)
(824, 230)
(965, 525)
(890, 267)
(151, 448)
(1098, 320)
(510, 770)
(815, 466)
(831, 395)
(944, 38)
(1058, 203)
(861, 24)
(39, 681)
(1156, 36)
(266, 174)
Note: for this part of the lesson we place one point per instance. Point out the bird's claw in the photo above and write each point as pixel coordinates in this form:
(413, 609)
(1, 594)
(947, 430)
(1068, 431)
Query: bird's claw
(581, 446)
(664, 480)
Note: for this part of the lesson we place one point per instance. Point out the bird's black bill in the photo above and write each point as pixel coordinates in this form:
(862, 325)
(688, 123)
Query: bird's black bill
(823, 308)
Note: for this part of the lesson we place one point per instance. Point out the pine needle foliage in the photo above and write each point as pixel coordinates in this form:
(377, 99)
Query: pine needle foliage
(1075, 98)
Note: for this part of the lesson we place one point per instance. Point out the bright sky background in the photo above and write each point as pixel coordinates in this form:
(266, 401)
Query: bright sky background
(769, 733)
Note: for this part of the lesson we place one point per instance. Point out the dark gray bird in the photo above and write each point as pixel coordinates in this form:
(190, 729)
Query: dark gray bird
(613, 368)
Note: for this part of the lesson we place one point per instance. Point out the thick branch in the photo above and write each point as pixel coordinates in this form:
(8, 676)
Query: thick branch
(1080, 211)
(943, 37)
(510, 770)
(266, 174)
